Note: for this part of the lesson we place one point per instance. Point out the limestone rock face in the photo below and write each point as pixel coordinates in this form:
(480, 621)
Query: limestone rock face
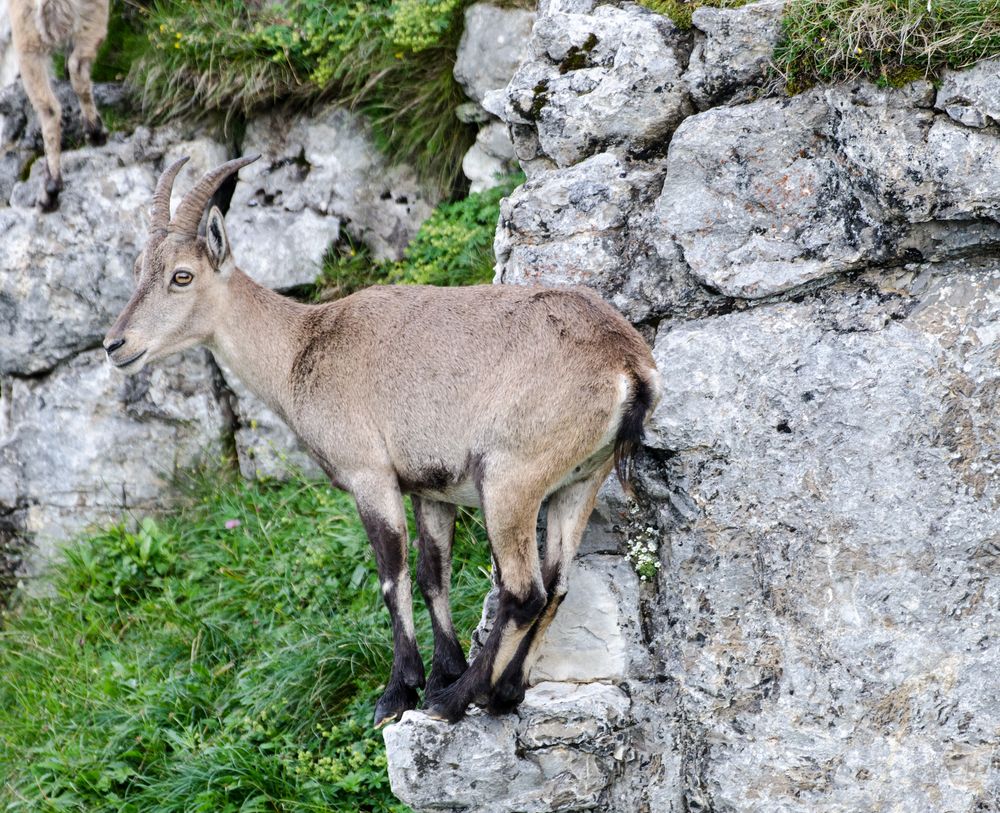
(492, 46)
(816, 506)
(558, 753)
(611, 79)
(84, 444)
(59, 292)
(318, 175)
(494, 42)
(733, 56)
(972, 97)
(851, 177)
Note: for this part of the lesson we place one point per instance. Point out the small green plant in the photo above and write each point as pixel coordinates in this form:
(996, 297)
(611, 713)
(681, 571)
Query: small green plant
(223, 658)
(642, 545)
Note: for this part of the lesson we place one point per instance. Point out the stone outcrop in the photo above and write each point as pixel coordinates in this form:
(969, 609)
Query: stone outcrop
(819, 277)
(493, 44)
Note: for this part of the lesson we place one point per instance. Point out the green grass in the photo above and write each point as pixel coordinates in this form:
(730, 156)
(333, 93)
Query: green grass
(888, 41)
(194, 667)
(454, 246)
(390, 59)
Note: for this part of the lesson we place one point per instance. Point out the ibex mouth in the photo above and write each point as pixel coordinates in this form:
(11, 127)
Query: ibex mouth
(121, 365)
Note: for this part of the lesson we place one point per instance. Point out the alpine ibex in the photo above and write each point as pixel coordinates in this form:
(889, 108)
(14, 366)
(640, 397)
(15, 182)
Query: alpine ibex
(40, 27)
(492, 396)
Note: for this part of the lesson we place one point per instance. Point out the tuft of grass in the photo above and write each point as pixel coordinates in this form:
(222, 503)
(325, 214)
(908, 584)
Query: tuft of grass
(888, 41)
(390, 59)
(223, 658)
(680, 11)
(454, 246)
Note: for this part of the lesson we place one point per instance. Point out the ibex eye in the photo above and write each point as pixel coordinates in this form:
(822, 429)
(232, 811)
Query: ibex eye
(182, 278)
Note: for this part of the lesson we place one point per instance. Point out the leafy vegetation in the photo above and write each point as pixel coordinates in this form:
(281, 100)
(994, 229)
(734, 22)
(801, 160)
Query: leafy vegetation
(889, 41)
(225, 658)
(391, 59)
(454, 246)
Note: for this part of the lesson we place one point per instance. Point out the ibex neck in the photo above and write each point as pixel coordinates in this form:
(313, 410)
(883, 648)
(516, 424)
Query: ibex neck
(258, 338)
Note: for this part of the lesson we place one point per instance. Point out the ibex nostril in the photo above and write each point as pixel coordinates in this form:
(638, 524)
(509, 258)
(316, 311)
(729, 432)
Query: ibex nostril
(110, 348)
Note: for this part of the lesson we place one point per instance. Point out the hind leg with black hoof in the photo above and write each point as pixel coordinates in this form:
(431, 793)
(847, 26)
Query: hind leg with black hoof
(436, 535)
(48, 197)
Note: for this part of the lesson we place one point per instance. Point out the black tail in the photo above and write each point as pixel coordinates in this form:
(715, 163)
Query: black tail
(631, 432)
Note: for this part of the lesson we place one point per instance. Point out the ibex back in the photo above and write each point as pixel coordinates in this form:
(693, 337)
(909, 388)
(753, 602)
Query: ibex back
(493, 396)
(39, 28)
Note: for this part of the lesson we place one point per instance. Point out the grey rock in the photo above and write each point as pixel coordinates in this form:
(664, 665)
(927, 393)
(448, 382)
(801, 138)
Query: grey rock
(557, 754)
(494, 42)
(848, 178)
(611, 79)
(972, 97)
(8, 59)
(490, 158)
(829, 596)
(732, 58)
(596, 633)
(86, 445)
(58, 293)
(589, 225)
(318, 175)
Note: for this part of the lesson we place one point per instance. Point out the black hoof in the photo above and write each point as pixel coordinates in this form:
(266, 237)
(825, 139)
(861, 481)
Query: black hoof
(48, 198)
(393, 703)
(447, 704)
(505, 698)
(440, 679)
(96, 134)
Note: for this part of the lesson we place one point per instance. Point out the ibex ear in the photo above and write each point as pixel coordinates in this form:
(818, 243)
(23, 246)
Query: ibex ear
(215, 237)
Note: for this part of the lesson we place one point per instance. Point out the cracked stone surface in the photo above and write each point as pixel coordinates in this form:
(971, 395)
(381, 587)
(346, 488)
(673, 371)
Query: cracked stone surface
(610, 79)
(85, 444)
(318, 175)
(820, 279)
(732, 51)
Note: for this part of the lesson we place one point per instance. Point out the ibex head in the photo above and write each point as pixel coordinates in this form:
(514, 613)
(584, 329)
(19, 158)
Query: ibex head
(180, 277)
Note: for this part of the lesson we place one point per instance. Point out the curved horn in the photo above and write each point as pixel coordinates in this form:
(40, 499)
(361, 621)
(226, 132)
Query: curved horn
(159, 212)
(192, 207)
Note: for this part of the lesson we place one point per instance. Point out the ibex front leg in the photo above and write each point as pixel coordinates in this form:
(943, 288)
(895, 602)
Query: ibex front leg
(380, 505)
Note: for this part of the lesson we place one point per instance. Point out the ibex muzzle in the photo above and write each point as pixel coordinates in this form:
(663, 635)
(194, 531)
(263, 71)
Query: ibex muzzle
(494, 396)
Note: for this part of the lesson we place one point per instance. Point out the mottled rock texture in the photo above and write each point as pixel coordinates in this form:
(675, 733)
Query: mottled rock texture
(494, 43)
(820, 280)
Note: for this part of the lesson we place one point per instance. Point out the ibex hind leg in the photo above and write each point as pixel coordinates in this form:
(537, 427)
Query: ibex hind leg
(510, 524)
(35, 75)
(568, 512)
(81, 59)
(436, 536)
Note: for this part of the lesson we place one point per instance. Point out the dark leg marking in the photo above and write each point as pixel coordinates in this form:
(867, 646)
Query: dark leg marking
(390, 546)
(475, 684)
(436, 536)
